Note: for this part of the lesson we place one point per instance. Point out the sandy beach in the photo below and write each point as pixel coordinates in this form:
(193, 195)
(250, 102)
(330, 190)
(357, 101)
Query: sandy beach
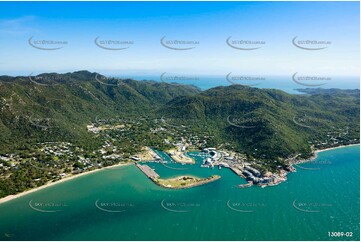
(314, 155)
(341, 146)
(12, 197)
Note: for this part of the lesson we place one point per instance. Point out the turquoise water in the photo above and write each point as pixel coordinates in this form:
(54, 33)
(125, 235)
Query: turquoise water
(122, 204)
(284, 83)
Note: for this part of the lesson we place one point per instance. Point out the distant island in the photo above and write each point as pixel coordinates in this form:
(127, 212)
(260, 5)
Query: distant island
(55, 126)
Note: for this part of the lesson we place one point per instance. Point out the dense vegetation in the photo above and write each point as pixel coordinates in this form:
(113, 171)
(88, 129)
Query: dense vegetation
(61, 109)
(270, 123)
(265, 124)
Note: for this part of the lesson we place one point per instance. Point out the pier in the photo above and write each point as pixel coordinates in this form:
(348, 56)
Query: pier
(149, 172)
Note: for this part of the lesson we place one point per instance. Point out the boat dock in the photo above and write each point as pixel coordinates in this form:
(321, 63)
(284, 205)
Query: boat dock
(149, 172)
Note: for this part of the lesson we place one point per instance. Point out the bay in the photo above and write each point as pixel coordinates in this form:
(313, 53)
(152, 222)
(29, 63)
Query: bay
(121, 203)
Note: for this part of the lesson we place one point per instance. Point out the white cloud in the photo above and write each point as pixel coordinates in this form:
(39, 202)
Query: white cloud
(19, 25)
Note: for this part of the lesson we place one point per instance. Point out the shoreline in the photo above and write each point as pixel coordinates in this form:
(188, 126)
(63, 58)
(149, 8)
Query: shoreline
(68, 178)
(21, 194)
(315, 153)
(337, 147)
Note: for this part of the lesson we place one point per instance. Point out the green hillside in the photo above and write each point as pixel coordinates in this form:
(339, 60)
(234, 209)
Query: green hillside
(271, 123)
(59, 106)
(55, 124)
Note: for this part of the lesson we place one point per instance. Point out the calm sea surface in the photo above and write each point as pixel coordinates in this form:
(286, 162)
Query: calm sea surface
(122, 204)
(284, 83)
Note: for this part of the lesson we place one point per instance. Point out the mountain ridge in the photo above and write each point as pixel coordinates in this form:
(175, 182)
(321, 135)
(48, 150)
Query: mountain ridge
(249, 118)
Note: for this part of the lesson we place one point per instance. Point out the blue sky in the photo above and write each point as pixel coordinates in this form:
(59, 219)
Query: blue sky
(209, 23)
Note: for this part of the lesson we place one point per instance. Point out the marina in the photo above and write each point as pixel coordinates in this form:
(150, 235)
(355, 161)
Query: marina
(192, 210)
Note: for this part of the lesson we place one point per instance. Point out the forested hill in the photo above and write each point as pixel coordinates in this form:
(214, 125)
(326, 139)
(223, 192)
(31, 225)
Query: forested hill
(265, 123)
(68, 102)
(271, 123)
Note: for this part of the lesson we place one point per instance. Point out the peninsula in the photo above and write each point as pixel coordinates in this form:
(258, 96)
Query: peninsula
(179, 182)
